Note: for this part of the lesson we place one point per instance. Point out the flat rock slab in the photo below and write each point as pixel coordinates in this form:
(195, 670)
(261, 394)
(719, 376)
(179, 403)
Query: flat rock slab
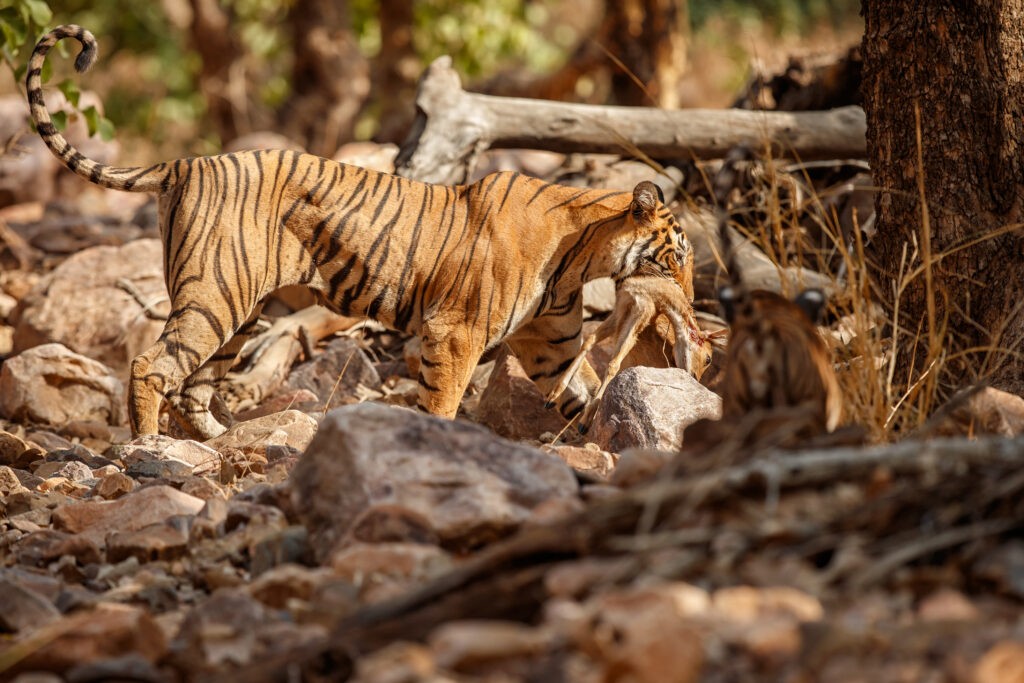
(289, 428)
(649, 408)
(372, 463)
(151, 448)
(145, 506)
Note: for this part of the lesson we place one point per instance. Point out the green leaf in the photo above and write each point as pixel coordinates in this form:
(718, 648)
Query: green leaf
(39, 11)
(13, 28)
(70, 90)
(106, 129)
(92, 119)
(60, 119)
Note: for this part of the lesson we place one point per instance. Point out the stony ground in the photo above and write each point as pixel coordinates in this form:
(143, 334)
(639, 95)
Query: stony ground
(333, 533)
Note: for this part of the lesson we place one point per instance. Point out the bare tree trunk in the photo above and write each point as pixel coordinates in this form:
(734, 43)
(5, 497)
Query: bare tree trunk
(330, 77)
(647, 39)
(215, 40)
(397, 69)
(959, 65)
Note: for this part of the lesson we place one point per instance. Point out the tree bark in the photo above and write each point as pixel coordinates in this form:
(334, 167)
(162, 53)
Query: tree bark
(944, 99)
(646, 43)
(330, 77)
(396, 69)
(219, 49)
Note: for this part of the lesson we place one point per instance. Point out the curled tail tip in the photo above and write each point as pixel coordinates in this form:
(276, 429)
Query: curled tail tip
(86, 57)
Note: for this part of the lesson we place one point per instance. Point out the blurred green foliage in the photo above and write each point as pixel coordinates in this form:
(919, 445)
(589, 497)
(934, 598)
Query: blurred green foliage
(483, 36)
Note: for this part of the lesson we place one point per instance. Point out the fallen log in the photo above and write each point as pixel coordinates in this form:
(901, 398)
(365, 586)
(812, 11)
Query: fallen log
(452, 127)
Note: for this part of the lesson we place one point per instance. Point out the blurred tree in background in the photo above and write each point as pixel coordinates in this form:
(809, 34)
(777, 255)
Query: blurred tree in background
(327, 71)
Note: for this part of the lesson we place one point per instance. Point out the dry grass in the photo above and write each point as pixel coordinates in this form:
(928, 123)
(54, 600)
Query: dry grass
(870, 333)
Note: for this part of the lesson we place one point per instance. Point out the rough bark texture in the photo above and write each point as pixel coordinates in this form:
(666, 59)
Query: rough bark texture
(962, 65)
(220, 50)
(396, 70)
(647, 39)
(330, 77)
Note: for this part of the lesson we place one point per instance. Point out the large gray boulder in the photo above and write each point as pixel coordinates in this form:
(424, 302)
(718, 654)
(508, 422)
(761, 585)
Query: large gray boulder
(378, 473)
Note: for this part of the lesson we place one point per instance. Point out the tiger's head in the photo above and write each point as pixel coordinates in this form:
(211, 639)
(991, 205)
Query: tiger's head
(659, 246)
(776, 359)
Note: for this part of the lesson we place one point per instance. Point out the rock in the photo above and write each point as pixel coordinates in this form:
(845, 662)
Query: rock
(283, 546)
(149, 505)
(153, 466)
(17, 452)
(74, 470)
(103, 632)
(466, 484)
(81, 306)
(650, 408)
(463, 645)
(9, 482)
(46, 545)
(162, 541)
(638, 466)
(1003, 663)
(587, 461)
(512, 405)
(947, 605)
(146, 451)
(640, 635)
(130, 667)
(382, 570)
(281, 585)
(301, 399)
(289, 428)
(53, 385)
(986, 411)
(22, 609)
(113, 486)
(232, 629)
(334, 373)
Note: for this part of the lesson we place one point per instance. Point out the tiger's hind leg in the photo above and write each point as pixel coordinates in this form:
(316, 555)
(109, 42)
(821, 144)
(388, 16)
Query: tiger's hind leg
(190, 407)
(547, 348)
(192, 335)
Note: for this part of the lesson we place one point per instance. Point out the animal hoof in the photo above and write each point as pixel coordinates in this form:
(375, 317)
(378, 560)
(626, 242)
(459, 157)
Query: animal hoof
(548, 405)
(582, 429)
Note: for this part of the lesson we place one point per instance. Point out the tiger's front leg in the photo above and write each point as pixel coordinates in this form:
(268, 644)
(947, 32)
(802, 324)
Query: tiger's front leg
(449, 352)
(546, 348)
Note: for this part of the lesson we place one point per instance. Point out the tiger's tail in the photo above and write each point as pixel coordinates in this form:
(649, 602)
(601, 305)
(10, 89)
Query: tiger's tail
(135, 179)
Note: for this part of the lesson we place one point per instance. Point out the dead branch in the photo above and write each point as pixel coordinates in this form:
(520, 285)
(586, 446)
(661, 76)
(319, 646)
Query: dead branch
(453, 127)
(266, 359)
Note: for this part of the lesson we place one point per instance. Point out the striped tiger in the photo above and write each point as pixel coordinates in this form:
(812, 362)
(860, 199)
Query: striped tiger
(464, 267)
(776, 360)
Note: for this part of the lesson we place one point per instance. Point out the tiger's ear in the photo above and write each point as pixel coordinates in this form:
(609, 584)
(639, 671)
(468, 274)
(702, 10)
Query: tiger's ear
(812, 301)
(645, 200)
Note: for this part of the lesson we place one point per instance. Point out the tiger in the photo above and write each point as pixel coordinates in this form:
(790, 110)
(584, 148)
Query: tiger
(776, 361)
(462, 267)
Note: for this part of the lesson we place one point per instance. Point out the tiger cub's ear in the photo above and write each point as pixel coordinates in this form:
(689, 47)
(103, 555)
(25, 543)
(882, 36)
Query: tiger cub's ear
(812, 302)
(645, 200)
(727, 300)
